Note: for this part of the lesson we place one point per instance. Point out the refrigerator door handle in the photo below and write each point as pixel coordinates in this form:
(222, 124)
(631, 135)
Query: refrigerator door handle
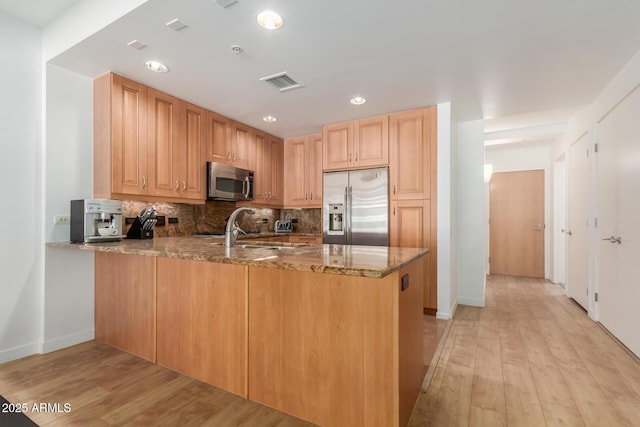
(347, 216)
(350, 199)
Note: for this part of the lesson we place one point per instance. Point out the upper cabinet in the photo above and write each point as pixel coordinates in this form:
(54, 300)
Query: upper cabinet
(120, 136)
(356, 144)
(269, 171)
(146, 143)
(410, 170)
(230, 142)
(303, 171)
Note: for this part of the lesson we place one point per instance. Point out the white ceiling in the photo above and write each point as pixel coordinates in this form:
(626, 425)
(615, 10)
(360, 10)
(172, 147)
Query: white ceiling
(493, 59)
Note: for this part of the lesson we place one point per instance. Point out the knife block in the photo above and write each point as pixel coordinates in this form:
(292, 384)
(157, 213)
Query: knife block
(136, 231)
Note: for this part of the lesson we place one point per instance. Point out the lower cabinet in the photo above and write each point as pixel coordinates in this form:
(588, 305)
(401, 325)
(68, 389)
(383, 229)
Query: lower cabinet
(125, 302)
(201, 321)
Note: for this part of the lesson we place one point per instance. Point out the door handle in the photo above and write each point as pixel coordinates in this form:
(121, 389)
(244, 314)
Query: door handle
(614, 239)
(569, 233)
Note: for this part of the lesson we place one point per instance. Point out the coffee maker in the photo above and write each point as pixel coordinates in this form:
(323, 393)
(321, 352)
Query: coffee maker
(96, 220)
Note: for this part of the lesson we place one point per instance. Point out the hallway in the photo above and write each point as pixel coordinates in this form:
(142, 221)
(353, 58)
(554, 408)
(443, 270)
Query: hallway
(531, 357)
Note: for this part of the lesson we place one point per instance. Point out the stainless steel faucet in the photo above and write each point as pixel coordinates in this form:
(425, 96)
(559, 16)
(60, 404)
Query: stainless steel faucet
(232, 230)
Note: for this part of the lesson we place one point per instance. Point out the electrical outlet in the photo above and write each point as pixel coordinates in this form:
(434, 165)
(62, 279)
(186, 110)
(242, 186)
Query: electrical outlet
(61, 219)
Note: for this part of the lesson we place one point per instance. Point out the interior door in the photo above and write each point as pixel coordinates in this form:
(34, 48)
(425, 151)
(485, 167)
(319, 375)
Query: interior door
(618, 213)
(516, 210)
(577, 236)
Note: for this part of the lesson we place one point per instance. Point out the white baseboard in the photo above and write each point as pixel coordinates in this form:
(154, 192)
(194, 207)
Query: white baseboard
(20, 352)
(445, 315)
(68, 341)
(474, 302)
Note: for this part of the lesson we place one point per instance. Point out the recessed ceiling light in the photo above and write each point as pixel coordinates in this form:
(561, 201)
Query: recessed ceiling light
(269, 119)
(269, 19)
(156, 66)
(358, 100)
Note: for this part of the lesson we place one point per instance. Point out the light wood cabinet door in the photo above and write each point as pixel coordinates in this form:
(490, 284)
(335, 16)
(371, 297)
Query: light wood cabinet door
(410, 149)
(125, 302)
(193, 147)
(276, 194)
(218, 139)
(410, 227)
(296, 170)
(128, 136)
(262, 177)
(371, 142)
(163, 144)
(243, 146)
(314, 170)
(303, 171)
(337, 141)
(202, 321)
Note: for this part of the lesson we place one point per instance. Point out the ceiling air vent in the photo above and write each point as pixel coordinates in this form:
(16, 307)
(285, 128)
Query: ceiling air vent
(281, 81)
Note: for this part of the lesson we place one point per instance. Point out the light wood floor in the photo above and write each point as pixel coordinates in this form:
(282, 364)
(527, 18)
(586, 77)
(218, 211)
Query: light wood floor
(106, 386)
(531, 357)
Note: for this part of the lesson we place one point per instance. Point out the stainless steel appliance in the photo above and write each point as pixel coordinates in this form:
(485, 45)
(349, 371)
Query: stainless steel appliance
(355, 207)
(96, 220)
(229, 183)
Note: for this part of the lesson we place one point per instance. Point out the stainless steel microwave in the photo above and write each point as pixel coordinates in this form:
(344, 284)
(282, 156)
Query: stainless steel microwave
(229, 183)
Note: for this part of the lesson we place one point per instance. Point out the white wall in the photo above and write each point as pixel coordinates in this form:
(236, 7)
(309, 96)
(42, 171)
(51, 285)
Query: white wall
(20, 156)
(68, 275)
(522, 157)
(470, 208)
(447, 290)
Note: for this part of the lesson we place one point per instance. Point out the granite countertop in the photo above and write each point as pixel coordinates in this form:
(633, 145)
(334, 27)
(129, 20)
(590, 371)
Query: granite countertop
(364, 261)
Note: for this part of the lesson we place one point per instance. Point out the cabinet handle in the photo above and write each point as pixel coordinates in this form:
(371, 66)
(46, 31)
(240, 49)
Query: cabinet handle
(184, 185)
(394, 211)
(234, 157)
(356, 157)
(394, 189)
(144, 182)
(311, 196)
(349, 156)
(229, 156)
(177, 185)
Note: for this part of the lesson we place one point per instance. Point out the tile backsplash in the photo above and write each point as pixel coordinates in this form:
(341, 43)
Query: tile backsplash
(212, 216)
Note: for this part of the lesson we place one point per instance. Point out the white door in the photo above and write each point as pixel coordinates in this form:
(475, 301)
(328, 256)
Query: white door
(559, 220)
(618, 216)
(577, 238)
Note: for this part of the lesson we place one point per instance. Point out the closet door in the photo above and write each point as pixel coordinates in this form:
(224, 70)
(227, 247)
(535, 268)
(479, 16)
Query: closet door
(618, 228)
(577, 236)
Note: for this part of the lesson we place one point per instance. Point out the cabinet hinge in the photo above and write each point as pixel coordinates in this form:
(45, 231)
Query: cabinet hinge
(595, 222)
(587, 152)
(595, 147)
(596, 297)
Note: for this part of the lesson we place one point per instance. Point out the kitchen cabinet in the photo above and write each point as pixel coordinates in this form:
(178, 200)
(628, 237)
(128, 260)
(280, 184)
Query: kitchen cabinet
(162, 144)
(410, 226)
(269, 170)
(242, 147)
(146, 143)
(202, 321)
(193, 145)
(413, 189)
(120, 136)
(410, 160)
(230, 142)
(218, 138)
(125, 302)
(303, 171)
(356, 144)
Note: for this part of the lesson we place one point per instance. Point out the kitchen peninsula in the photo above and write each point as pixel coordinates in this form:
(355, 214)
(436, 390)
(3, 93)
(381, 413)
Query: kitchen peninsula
(329, 333)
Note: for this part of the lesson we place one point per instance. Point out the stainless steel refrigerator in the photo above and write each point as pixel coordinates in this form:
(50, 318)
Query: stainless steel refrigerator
(355, 207)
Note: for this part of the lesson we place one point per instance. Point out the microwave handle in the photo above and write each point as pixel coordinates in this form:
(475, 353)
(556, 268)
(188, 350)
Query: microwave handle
(246, 192)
